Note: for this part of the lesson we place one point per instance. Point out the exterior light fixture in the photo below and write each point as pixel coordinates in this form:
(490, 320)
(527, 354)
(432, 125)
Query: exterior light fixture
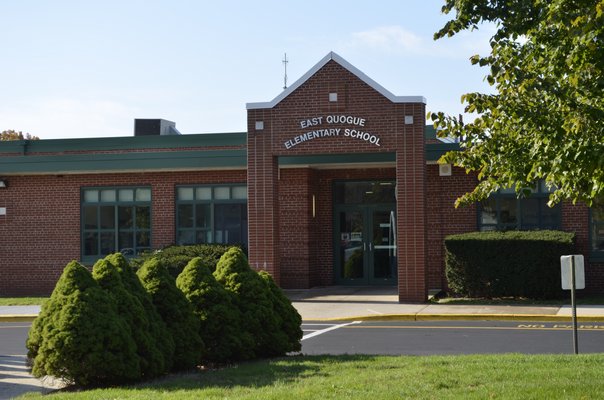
(3, 184)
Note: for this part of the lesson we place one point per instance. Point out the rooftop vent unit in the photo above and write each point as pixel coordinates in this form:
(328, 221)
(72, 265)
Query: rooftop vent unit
(154, 127)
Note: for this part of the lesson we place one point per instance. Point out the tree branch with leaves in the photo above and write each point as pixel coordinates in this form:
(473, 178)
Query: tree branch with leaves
(546, 120)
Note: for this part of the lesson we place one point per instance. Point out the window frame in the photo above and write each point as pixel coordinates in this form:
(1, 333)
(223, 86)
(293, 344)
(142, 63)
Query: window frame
(539, 192)
(594, 255)
(116, 204)
(212, 202)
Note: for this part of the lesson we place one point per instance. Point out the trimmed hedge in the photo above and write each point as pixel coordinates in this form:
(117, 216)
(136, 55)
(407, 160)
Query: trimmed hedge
(501, 264)
(175, 257)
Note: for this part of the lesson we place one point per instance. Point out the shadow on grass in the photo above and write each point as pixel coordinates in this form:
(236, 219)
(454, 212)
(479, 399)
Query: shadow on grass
(252, 374)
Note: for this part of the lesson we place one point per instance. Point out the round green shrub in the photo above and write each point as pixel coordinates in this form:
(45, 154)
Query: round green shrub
(177, 313)
(252, 297)
(79, 336)
(157, 327)
(289, 319)
(150, 358)
(220, 319)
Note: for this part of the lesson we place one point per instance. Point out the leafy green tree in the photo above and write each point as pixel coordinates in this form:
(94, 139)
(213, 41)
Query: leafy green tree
(177, 313)
(545, 120)
(79, 335)
(252, 297)
(220, 318)
(157, 327)
(14, 135)
(289, 319)
(150, 358)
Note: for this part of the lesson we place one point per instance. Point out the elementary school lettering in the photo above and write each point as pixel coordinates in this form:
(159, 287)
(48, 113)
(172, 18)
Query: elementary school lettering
(328, 132)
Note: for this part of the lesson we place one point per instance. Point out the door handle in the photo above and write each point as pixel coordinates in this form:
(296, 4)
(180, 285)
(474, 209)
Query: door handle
(370, 247)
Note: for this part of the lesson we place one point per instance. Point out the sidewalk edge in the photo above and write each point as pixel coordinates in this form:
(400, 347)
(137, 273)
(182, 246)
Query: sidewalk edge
(463, 317)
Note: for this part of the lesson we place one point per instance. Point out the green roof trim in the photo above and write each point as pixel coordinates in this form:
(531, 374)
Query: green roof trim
(124, 143)
(130, 162)
(435, 150)
(429, 132)
(360, 158)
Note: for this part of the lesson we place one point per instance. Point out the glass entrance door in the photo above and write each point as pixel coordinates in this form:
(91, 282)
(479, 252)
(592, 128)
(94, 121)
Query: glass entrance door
(366, 245)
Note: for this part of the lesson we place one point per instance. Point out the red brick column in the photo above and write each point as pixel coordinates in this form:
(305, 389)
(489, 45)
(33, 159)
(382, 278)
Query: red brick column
(411, 198)
(263, 208)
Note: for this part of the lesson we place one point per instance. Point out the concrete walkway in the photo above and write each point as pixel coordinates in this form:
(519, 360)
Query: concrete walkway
(375, 303)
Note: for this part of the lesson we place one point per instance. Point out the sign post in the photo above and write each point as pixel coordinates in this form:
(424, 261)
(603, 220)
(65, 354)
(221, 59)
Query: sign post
(573, 278)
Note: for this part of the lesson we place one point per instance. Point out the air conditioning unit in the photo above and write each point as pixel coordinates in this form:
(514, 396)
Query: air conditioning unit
(445, 169)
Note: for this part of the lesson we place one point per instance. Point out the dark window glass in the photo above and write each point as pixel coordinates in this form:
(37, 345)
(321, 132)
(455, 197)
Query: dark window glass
(91, 243)
(203, 215)
(488, 211)
(118, 222)
(530, 213)
(107, 242)
(186, 237)
(368, 192)
(228, 226)
(211, 214)
(185, 216)
(107, 217)
(125, 219)
(597, 230)
(143, 217)
(504, 211)
(91, 218)
(126, 242)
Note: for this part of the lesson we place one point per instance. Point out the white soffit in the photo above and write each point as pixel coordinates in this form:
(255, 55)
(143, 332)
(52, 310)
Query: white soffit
(351, 68)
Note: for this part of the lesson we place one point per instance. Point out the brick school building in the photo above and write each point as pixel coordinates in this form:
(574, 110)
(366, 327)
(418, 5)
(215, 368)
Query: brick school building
(335, 182)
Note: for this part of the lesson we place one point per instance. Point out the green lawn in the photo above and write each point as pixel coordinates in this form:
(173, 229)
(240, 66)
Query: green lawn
(22, 301)
(586, 300)
(510, 376)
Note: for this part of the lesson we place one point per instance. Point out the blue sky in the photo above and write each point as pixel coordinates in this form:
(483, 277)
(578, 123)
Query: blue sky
(88, 68)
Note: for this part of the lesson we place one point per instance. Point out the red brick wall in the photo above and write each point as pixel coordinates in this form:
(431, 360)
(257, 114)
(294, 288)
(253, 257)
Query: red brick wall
(575, 218)
(444, 219)
(40, 233)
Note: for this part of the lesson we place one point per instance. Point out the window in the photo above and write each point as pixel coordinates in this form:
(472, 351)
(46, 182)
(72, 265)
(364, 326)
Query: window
(115, 219)
(503, 211)
(365, 192)
(597, 232)
(211, 214)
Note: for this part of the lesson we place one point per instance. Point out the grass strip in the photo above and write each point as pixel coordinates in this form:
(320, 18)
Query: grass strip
(22, 301)
(508, 376)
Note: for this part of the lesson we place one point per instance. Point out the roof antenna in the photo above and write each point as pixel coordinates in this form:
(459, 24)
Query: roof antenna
(285, 67)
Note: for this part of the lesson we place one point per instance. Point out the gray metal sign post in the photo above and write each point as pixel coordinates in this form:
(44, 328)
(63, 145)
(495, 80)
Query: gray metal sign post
(573, 278)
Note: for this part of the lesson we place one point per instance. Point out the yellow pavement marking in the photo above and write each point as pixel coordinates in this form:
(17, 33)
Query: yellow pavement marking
(522, 327)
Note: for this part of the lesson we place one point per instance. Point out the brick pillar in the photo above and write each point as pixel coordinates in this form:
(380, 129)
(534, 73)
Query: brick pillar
(410, 205)
(263, 205)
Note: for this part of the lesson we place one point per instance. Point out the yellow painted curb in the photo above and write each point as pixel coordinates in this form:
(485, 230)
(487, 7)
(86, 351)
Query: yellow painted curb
(464, 317)
(18, 318)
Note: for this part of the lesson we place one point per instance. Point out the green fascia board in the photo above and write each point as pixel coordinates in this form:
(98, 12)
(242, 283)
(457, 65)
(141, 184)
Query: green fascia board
(429, 132)
(124, 143)
(139, 161)
(435, 150)
(337, 159)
